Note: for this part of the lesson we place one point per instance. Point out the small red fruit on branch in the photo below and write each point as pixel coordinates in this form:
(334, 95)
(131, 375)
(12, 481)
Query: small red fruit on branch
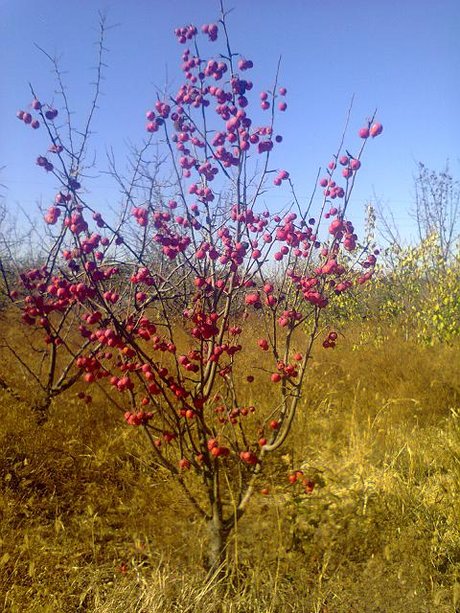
(376, 129)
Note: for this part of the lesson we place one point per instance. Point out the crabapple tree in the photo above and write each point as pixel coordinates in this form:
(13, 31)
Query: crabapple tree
(164, 300)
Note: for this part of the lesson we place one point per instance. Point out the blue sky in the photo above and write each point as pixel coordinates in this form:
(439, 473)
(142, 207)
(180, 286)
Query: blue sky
(401, 57)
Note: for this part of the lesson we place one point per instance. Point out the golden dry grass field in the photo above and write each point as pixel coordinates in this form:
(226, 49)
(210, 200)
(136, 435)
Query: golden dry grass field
(88, 524)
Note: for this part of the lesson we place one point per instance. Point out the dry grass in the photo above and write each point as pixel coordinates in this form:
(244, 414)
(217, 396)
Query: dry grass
(88, 525)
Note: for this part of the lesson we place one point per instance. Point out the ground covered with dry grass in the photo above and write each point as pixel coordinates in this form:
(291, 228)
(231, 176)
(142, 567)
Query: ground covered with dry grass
(88, 524)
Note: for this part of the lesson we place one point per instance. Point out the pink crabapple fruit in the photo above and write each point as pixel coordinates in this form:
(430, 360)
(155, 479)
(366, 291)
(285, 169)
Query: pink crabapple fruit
(376, 129)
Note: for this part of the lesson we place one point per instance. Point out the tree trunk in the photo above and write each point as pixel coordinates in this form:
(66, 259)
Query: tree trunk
(217, 543)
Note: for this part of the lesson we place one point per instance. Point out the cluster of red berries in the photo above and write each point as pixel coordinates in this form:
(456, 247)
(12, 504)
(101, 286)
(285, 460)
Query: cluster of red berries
(373, 130)
(211, 30)
(299, 477)
(185, 33)
(285, 371)
(232, 416)
(282, 175)
(330, 341)
(140, 418)
(27, 118)
(216, 450)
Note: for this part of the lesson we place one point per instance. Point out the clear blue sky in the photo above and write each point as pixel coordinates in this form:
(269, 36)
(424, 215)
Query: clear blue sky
(401, 56)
